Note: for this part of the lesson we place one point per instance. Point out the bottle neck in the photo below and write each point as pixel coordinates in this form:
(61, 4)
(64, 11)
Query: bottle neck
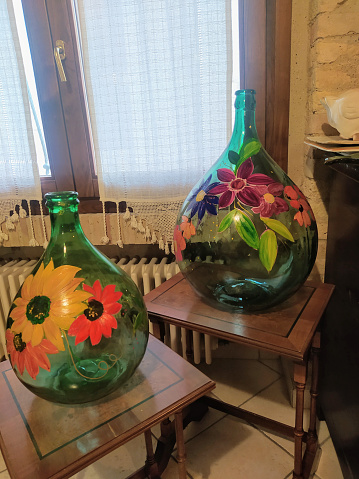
(245, 123)
(65, 222)
(64, 215)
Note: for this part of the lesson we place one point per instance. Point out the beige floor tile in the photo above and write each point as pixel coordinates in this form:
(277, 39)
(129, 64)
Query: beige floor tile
(120, 463)
(232, 449)
(2, 463)
(195, 428)
(329, 467)
(171, 471)
(273, 402)
(274, 364)
(237, 380)
(4, 475)
(123, 462)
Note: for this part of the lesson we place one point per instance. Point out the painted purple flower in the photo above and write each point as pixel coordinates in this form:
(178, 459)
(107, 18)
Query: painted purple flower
(201, 201)
(270, 203)
(243, 185)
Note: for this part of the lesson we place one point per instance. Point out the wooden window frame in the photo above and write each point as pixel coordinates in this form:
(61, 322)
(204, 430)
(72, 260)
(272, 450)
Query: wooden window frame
(265, 43)
(265, 34)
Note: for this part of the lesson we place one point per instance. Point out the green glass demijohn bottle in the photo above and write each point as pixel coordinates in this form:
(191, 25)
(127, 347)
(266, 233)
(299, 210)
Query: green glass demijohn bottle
(246, 238)
(78, 326)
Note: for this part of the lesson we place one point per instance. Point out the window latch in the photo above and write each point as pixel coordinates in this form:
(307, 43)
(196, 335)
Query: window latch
(59, 54)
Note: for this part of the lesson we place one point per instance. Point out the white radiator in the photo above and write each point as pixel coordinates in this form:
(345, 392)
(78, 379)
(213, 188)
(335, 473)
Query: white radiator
(147, 273)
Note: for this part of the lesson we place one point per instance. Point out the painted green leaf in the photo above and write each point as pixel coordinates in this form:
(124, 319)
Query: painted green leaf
(233, 157)
(246, 229)
(278, 227)
(268, 249)
(250, 148)
(227, 221)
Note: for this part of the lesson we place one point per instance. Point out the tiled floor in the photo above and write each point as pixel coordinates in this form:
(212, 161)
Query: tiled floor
(221, 446)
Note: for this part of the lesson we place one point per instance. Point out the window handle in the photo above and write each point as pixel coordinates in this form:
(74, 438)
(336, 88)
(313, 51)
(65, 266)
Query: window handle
(59, 54)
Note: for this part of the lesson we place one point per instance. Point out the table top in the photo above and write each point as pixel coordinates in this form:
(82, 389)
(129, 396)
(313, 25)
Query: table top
(47, 440)
(286, 329)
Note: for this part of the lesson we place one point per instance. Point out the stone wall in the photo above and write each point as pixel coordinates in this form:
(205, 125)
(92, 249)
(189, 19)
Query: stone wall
(325, 61)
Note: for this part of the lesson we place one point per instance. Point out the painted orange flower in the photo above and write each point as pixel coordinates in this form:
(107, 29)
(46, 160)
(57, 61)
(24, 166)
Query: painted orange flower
(187, 227)
(48, 303)
(179, 243)
(298, 201)
(98, 318)
(26, 356)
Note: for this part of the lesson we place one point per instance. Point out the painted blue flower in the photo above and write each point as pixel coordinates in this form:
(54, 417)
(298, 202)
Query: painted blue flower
(200, 201)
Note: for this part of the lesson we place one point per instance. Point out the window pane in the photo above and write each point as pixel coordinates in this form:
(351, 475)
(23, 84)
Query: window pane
(39, 139)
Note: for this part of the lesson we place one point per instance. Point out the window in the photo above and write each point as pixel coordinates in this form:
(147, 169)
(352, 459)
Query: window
(264, 45)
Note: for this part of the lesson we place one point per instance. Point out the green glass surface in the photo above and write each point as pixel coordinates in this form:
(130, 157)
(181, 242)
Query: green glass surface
(78, 327)
(246, 238)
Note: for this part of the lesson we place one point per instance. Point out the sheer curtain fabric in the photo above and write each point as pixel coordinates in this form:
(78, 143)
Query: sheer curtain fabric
(19, 175)
(158, 77)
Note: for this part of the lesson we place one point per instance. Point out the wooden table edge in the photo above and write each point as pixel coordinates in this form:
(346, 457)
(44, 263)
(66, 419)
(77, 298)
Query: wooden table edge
(291, 352)
(119, 441)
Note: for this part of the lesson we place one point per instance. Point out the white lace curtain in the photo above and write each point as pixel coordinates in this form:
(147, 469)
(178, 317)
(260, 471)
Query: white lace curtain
(19, 175)
(158, 76)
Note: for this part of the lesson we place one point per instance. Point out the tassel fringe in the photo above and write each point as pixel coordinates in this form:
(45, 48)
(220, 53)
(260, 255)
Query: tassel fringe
(32, 241)
(119, 239)
(150, 235)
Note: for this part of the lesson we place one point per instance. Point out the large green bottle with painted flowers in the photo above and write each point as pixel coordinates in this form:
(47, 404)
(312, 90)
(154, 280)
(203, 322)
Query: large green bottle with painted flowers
(78, 327)
(246, 238)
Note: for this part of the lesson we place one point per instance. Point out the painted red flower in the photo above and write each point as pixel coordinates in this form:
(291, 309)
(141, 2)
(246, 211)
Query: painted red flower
(26, 356)
(243, 185)
(270, 203)
(179, 243)
(98, 318)
(298, 201)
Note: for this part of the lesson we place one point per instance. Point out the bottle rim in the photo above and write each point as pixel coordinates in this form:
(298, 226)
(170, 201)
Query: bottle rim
(61, 197)
(245, 90)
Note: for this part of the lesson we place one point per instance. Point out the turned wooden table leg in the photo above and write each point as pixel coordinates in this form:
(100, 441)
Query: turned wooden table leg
(181, 453)
(300, 376)
(312, 438)
(151, 467)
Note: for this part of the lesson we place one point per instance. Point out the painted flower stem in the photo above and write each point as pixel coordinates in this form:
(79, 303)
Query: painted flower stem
(102, 365)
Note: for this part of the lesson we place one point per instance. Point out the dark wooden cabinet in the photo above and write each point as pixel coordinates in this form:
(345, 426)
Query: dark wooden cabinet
(339, 383)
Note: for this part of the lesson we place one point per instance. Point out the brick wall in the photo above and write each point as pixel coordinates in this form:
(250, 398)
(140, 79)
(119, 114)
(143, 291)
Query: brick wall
(325, 61)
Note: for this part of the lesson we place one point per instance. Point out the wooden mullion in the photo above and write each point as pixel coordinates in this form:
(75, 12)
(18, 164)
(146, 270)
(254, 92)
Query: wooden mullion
(279, 16)
(253, 63)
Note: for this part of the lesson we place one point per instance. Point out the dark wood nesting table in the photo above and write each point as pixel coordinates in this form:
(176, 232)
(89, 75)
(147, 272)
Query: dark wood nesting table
(289, 330)
(40, 439)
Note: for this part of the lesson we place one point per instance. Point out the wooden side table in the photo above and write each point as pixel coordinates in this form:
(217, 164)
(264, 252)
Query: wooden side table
(289, 330)
(40, 439)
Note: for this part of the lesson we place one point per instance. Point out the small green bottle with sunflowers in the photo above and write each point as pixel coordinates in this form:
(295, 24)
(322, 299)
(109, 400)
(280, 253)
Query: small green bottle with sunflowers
(246, 238)
(78, 327)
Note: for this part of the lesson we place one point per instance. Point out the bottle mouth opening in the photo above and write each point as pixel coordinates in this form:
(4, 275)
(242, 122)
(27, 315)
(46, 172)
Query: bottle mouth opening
(62, 198)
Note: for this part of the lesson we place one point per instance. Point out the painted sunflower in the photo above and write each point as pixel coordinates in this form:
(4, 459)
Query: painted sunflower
(98, 318)
(26, 356)
(48, 303)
